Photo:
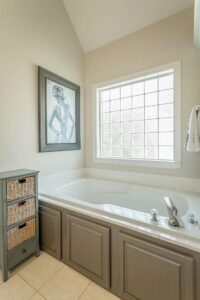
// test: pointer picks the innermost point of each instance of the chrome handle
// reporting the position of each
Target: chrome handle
(191, 217)
(154, 215)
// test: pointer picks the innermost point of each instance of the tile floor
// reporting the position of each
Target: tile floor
(47, 278)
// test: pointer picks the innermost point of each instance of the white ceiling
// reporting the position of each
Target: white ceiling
(99, 22)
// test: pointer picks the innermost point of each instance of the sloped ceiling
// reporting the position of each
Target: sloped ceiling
(99, 22)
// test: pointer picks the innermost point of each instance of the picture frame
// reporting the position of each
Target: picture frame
(59, 113)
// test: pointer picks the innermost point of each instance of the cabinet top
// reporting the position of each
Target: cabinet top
(17, 173)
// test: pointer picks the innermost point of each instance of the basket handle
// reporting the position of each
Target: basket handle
(22, 226)
(23, 180)
(22, 203)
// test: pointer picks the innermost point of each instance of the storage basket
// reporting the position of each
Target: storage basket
(19, 188)
(20, 211)
(21, 233)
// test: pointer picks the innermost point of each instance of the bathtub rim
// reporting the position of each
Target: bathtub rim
(190, 196)
(175, 236)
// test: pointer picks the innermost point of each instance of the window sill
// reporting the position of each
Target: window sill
(140, 163)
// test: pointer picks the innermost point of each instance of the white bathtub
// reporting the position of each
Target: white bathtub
(126, 202)
(102, 193)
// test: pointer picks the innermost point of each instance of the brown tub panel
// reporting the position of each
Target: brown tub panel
(50, 230)
(150, 272)
(86, 247)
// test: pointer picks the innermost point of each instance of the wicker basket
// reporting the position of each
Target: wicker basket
(21, 233)
(19, 188)
(20, 211)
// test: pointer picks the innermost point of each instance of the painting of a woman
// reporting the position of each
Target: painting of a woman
(62, 114)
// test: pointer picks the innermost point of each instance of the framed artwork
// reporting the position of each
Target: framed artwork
(59, 113)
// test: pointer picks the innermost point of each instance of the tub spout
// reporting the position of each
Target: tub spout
(174, 219)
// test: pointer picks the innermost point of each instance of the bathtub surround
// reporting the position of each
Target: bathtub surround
(89, 243)
(160, 181)
(34, 33)
(167, 41)
(127, 202)
(97, 218)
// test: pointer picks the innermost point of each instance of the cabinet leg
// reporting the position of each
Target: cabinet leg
(37, 253)
(4, 274)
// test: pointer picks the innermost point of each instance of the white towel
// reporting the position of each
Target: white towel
(193, 136)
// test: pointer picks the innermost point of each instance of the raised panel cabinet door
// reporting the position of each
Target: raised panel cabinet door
(150, 272)
(50, 231)
(87, 248)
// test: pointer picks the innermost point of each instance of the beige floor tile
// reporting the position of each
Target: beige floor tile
(10, 273)
(94, 292)
(24, 263)
(67, 284)
(16, 289)
(1, 278)
(40, 270)
(37, 297)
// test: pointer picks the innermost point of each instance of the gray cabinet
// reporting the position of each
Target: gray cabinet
(150, 272)
(130, 264)
(86, 248)
(19, 231)
(50, 231)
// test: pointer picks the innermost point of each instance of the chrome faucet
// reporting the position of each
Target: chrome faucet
(174, 219)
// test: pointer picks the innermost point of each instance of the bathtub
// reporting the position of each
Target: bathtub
(127, 203)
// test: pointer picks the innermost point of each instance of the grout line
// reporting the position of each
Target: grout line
(11, 273)
(44, 282)
(24, 264)
(50, 278)
(32, 296)
(41, 295)
(84, 290)
(26, 282)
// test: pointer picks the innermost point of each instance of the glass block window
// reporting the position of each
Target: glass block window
(135, 119)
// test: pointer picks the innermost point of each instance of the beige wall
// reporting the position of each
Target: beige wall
(159, 44)
(32, 33)
(39, 32)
